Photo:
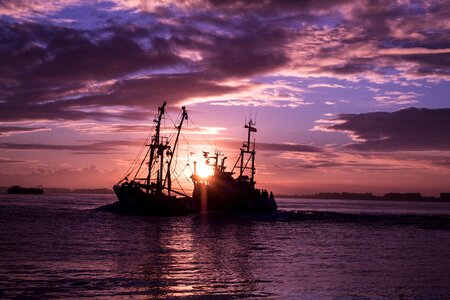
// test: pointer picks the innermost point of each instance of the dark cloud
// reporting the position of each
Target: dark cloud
(287, 147)
(42, 53)
(386, 25)
(406, 129)
(354, 166)
(9, 130)
(353, 161)
(279, 6)
(137, 92)
(274, 147)
(137, 96)
(90, 177)
(54, 71)
(255, 52)
(429, 64)
(97, 147)
(45, 62)
(46, 67)
(11, 161)
(67, 73)
(356, 66)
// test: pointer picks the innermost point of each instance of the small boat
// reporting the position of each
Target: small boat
(153, 194)
(16, 189)
(222, 192)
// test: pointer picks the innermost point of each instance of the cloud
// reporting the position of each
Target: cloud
(143, 52)
(397, 98)
(287, 147)
(412, 129)
(88, 177)
(11, 130)
(276, 5)
(274, 147)
(92, 128)
(66, 73)
(412, 51)
(345, 161)
(48, 68)
(137, 92)
(274, 94)
(326, 85)
(97, 147)
(12, 161)
(330, 160)
(378, 41)
(23, 9)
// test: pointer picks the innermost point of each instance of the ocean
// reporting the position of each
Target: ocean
(62, 246)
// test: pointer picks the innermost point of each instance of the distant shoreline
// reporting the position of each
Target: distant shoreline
(69, 191)
(444, 197)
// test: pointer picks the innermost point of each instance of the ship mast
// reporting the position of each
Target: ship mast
(167, 179)
(248, 148)
(158, 145)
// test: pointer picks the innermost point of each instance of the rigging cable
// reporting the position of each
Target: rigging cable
(134, 163)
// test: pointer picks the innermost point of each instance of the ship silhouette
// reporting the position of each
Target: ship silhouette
(16, 189)
(223, 192)
(154, 194)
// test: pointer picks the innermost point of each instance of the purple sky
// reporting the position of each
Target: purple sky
(347, 95)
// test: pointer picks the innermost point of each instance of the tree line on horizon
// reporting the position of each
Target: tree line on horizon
(370, 196)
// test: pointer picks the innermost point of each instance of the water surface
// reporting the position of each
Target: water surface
(60, 246)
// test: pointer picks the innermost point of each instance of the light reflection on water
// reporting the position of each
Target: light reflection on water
(57, 246)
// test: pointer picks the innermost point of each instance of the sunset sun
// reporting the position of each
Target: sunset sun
(204, 170)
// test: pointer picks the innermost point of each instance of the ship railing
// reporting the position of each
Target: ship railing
(163, 140)
(250, 145)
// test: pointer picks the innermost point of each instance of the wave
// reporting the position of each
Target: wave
(437, 222)
(421, 220)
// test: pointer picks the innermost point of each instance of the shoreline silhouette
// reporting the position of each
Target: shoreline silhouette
(443, 197)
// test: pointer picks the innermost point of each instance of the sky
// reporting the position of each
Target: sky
(347, 95)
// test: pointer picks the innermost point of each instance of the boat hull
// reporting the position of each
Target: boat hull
(232, 197)
(134, 199)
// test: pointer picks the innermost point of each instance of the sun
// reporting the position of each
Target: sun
(204, 171)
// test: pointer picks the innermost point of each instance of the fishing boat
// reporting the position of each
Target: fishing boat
(153, 194)
(223, 192)
(17, 189)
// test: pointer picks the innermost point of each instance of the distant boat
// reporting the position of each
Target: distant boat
(16, 189)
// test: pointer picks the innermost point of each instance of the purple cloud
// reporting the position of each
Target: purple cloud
(12, 161)
(287, 147)
(195, 49)
(90, 177)
(10, 130)
(55, 72)
(97, 147)
(273, 147)
(415, 129)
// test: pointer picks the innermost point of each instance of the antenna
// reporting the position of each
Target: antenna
(188, 156)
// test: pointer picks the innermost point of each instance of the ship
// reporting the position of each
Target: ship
(17, 189)
(152, 192)
(223, 192)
